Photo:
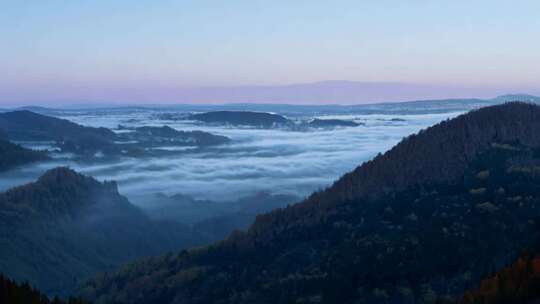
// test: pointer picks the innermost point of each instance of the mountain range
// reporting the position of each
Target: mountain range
(321, 92)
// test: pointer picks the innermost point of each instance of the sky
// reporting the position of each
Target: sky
(58, 52)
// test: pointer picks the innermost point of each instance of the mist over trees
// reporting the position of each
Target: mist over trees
(87, 141)
(66, 227)
(12, 155)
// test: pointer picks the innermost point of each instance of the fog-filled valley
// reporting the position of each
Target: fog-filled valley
(270, 152)
(190, 193)
(87, 190)
(276, 160)
(194, 185)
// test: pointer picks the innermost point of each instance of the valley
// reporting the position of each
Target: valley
(396, 207)
(270, 152)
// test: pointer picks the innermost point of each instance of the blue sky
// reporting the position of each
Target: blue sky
(64, 49)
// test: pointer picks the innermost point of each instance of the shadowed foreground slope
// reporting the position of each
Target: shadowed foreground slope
(13, 293)
(426, 220)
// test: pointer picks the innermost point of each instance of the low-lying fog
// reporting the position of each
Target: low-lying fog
(277, 161)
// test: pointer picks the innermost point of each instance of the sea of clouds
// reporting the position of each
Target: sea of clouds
(275, 160)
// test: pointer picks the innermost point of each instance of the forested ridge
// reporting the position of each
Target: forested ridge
(437, 155)
(13, 155)
(425, 221)
(66, 227)
(57, 194)
(87, 141)
(29, 126)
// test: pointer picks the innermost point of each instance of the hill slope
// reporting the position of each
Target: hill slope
(71, 137)
(427, 219)
(29, 126)
(66, 227)
(12, 155)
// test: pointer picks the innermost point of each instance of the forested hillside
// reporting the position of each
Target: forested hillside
(66, 227)
(30, 126)
(12, 155)
(426, 220)
(88, 141)
(518, 283)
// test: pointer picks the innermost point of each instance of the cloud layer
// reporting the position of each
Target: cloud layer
(278, 161)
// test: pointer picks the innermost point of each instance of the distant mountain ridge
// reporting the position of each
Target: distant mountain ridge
(156, 136)
(321, 92)
(29, 126)
(421, 105)
(518, 97)
(326, 123)
(241, 118)
(426, 219)
(86, 141)
(263, 120)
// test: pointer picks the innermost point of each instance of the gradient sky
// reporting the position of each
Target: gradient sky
(77, 51)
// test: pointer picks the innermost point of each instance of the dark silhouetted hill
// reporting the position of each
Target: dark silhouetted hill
(330, 123)
(13, 155)
(67, 227)
(29, 126)
(156, 136)
(242, 118)
(87, 141)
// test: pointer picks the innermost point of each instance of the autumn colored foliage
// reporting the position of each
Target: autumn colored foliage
(518, 283)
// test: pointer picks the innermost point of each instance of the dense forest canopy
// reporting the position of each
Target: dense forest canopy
(66, 227)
